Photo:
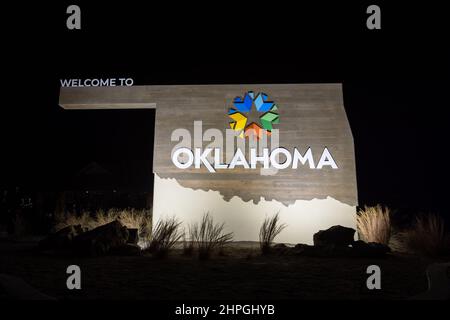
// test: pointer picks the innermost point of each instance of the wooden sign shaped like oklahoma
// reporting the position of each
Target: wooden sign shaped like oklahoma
(315, 190)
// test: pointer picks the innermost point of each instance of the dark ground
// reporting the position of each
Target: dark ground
(241, 274)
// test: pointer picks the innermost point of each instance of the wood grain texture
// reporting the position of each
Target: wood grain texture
(311, 115)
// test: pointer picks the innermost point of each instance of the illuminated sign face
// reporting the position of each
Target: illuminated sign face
(244, 126)
(245, 152)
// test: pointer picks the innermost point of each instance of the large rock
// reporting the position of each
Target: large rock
(334, 236)
(127, 250)
(322, 251)
(369, 250)
(62, 239)
(358, 249)
(133, 237)
(280, 248)
(101, 240)
(305, 250)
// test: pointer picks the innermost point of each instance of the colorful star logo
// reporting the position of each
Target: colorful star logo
(252, 114)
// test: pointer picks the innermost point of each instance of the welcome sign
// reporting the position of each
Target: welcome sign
(245, 152)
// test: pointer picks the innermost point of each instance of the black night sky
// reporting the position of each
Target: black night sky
(395, 81)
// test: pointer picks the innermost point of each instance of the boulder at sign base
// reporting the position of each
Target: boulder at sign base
(62, 239)
(101, 240)
(335, 236)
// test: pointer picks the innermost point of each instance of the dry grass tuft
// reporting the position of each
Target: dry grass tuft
(165, 235)
(270, 228)
(188, 241)
(374, 224)
(101, 217)
(72, 219)
(427, 237)
(209, 236)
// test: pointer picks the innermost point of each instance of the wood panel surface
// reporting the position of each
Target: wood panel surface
(311, 115)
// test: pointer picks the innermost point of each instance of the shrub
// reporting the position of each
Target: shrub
(101, 217)
(427, 237)
(164, 236)
(209, 236)
(398, 242)
(72, 219)
(131, 218)
(374, 224)
(270, 228)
